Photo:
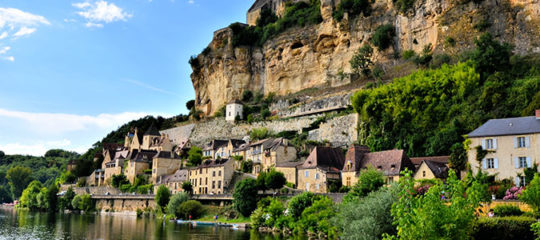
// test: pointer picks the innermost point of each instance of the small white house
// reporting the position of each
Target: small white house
(234, 108)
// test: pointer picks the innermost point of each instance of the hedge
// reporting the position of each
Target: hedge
(504, 228)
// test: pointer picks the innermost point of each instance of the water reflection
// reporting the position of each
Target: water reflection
(27, 225)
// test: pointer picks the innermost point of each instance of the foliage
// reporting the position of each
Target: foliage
(536, 228)
(383, 37)
(245, 196)
(513, 193)
(458, 157)
(67, 177)
(316, 218)
(530, 172)
(187, 187)
(353, 7)
(65, 201)
(29, 196)
(275, 179)
(361, 61)
(299, 203)
(369, 180)
(267, 16)
(190, 208)
(190, 104)
(425, 58)
(83, 202)
(367, 218)
(445, 211)
(258, 134)
(403, 5)
(503, 228)
(247, 96)
(119, 180)
(19, 177)
(408, 54)
(195, 156)
(162, 196)
(246, 166)
(505, 210)
(531, 195)
(5, 195)
(261, 181)
(173, 207)
(490, 55)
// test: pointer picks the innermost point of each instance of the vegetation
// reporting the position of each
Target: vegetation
(119, 180)
(246, 166)
(536, 229)
(361, 61)
(383, 37)
(187, 187)
(503, 228)
(162, 197)
(83, 202)
(369, 180)
(531, 195)
(506, 210)
(173, 207)
(65, 202)
(353, 8)
(403, 5)
(259, 134)
(19, 177)
(195, 156)
(190, 208)
(245, 196)
(274, 180)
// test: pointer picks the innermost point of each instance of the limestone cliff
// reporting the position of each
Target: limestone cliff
(318, 56)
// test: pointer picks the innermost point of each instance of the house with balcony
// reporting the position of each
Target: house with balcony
(266, 153)
(511, 145)
(320, 169)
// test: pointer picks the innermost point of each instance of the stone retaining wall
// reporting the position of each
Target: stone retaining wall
(339, 131)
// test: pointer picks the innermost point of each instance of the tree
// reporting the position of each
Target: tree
(247, 166)
(361, 61)
(187, 187)
(2, 154)
(369, 180)
(261, 181)
(29, 197)
(298, 203)
(19, 177)
(119, 180)
(316, 218)
(490, 55)
(245, 196)
(275, 180)
(52, 198)
(162, 197)
(195, 156)
(458, 157)
(247, 96)
(190, 208)
(258, 133)
(175, 202)
(383, 36)
(531, 195)
(65, 201)
(190, 104)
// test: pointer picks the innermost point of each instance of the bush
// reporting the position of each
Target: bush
(245, 196)
(299, 203)
(175, 202)
(81, 182)
(119, 180)
(275, 179)
(316, 218)
(536, 229)
(258, 134)
(190, 208)
(247, 166)
(369, 180)
(531, 195)
(506, 210)
(195, 156)
(162, 196)
(503, 228)
(353, 7)
(490, 55)
(408, 54)
(383, 36)
(361, 61)
(83, 202)
(403, 5)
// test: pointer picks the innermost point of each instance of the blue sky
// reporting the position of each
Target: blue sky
(72, 71)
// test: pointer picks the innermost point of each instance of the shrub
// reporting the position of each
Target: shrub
(316, 218)
(245, 196)
(247, 166)
(449, 41)
(175, 202)
(361, 61)
(187, 187)
(162, 196)
(83, 202)
(81, 182)
(190, 208)
(505, 210)
(513, 193)
(369, 180)
(531, 195)
(299, 203)
(275, 179)
(353, 7)
(383, 36)
(536, 229)
(145, 189)
(490, 55)
(408, 54)
(257, 218)
(119, 180)
(258, 133)
(503, 228)
(403, 5)
(195, 156)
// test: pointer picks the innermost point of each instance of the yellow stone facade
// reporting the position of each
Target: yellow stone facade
(213, 178)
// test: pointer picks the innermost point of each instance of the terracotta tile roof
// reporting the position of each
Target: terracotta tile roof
(439, 159)
(390, 162)
(354, 157)
(325, 158)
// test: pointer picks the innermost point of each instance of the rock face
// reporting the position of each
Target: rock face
(318, 56)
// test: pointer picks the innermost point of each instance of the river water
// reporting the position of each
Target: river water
(22, 225)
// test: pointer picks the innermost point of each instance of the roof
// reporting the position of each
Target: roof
(143, 155)
(390, 162)
(181, 175)
(326, 158)
(354, 157)
(258, 4)
(269, 143)
(237, 142)
(165, 154)
(507, 126)
(439, 159)
(288, 164)
(440, 170)
(152, 131)
(212, 163)
(215, 144)
(179, 135)
(236, 101)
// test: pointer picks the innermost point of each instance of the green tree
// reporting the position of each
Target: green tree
(2, 154)
(299, 203)
(19, 177)
(275, 180)
(52, 198)
(247, 166)
(190, 104)
(190, 208)
(65, 201)
(187, 187)
(195, 156)
(259, 133)
(361, 61)
(29, 196)
(317, 218)
(175, 202)
(458, 157)
(5, 195)
(119, 180)
(531, 195)
(383, 36)
(261, 181)
(490, 55)
(369, 180)
(245, 196)
(162, 196)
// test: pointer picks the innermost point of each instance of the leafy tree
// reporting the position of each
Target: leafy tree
(5, 195)
(83, 202)
(299, 203)
(261, 181)
(162, 196)
(19, 177)
(316, 218)
(353, 7)
(29, 195)
(247, 96)
(245, 196)
(531, 195)
(247, 166)
(119, 180)
(175, 202)
(458, 157)
(187, 187)
(275, 179)
(490, 55)
(190, 208)
(52, 198)
(448, 217)
(383, 36)
(266, 17)
(369, 180)
(259, 133)
(2, 154)
(65, 201)
(66, 177)
(367, 218)
(190, 104)
(195, 156)
(361, 61)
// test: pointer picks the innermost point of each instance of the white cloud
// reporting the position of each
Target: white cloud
(191, 1)
(100, 12)
(3, 35)
(10, 58)
(40, 148)
(4, 50)
(24, 31)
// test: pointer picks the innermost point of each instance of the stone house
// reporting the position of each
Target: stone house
(429, 169)
(115, 166)
(212, 176)
(276, 6)
(320, 169)
(233, 110)
(512, 144)
(173, 181)
(97, 178)
(210, 149)
(164, 163)
(137, 162)
(390, 162)
(267, 152)
(289, 170)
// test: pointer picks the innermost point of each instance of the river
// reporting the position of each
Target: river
(22, 225)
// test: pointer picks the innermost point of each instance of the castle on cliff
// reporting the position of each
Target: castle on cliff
(276, 6)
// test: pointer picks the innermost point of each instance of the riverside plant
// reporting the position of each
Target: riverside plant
(513, 193)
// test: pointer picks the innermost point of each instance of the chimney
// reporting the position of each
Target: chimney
(537, 114)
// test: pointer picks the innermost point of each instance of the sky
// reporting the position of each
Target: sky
(71, 71)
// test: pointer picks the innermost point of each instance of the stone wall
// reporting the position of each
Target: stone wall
(331, 103)
(339, 131)
(90, 190)
(125, 205)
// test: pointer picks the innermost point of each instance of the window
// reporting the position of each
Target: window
(306, 173)
(219, 173)
(522, 162)
(423, 173)
(317, 186)
(213, 184)
(307, 186)
(521, 143)
(316, 175)
(489, 144)
(348, 181)
(229, 114)
(490, 163)
(213, 173)
(390, 180)
(219, 184)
